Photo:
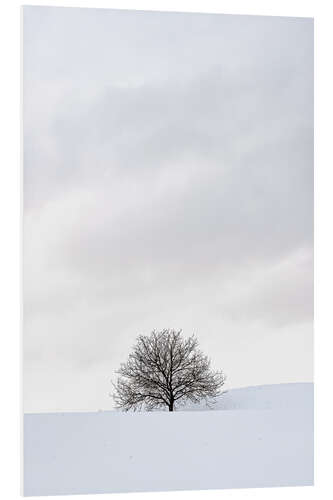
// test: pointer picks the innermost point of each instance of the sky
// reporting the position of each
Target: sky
(168, 183)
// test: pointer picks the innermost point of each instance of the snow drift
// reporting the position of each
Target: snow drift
(262, 436)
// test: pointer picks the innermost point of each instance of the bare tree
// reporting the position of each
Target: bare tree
(165, 369)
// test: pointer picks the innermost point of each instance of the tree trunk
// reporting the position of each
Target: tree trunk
(171, 406)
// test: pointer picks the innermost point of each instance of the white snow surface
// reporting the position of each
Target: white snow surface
(262, 397)
(255, 437)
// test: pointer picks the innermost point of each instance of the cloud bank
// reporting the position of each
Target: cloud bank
(168, 182)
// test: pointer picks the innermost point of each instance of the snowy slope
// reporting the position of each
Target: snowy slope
(262, 397)
(266, 441)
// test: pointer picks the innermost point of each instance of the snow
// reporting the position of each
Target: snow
(262, 436)
(262, 397)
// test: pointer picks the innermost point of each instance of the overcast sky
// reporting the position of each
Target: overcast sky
(168, 182)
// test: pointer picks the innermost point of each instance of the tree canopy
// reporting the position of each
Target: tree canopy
(166, 369)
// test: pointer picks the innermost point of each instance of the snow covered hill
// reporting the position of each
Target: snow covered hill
(264, 438)
(262, 397)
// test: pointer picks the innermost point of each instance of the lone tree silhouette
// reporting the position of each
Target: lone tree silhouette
(164, 369)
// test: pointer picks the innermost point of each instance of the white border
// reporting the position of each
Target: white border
(10, 190)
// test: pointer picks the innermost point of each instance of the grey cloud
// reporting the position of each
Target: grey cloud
(168, 176)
